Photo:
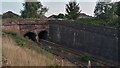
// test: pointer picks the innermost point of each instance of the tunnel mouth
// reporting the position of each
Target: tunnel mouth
(31, 35)
(43, 35)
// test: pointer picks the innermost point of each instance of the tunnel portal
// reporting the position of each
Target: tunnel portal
(43, 35)
(31, 36)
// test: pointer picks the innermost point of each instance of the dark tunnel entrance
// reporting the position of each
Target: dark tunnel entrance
(43, 35)
(31, 36)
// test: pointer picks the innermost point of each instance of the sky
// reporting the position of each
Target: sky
(54, 6)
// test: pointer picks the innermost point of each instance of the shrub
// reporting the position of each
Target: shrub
(97, 22)
(84, 58)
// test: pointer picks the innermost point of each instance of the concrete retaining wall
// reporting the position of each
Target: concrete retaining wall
(100, 42)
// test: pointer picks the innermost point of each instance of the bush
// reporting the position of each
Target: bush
(97, 22)
(84, 58)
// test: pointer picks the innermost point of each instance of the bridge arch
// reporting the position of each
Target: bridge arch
(31, 35)
(43, 35)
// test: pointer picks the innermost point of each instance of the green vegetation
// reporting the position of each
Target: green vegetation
(118, 13)
(97, 22)
(105, 14)
(102, 7)
(19, 40)
(23, 42)
(73, 10)
(84, 58)
(33, 9)
(105, 11)
(0, 16)
(118, 8)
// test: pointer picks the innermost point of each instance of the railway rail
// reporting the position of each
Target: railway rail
(70, 54)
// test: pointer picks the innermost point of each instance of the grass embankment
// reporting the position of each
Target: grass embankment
(23, 52)
(20, 51)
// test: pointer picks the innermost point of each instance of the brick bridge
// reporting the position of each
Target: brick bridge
(35, 29)
(100, 42)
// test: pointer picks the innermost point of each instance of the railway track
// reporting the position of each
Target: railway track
(69, 54)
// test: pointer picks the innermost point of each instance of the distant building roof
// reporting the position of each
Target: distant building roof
(10, 14)
(83, 15)
(53, 16)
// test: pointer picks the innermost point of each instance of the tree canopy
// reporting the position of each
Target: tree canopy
(33, 9)
(73, 10)
(118, 13)
(118, 9)
(10, 14)
(106, 10)
(101, 8)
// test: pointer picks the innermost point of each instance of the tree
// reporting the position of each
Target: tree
(105, 10)
(73, 10)
(118, 9)
(118, 13)
(101, 8)
(33, 9)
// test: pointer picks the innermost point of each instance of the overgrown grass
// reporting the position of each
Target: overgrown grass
(19, 40)
(24, 42)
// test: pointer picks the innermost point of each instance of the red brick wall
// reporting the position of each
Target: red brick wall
(14, 24)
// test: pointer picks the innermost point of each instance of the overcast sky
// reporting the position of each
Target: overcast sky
(54, 6)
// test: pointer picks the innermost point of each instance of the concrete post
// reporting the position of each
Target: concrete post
(62, 62)
(37, 38)
(89, 64)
